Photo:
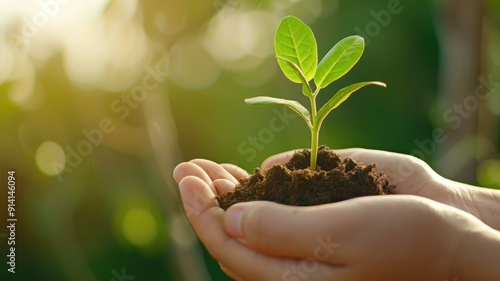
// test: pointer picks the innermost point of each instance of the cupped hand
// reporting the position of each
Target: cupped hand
(199, 182)
(413, 176)
(399, 237)
(402, 237)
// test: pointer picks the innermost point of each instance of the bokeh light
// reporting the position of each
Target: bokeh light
(7, 57)
(489, 173)
(139, 227)
(191, 65)
(50, 158)
(237, 36)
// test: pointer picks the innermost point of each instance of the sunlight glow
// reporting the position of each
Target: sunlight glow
(192, 67)
(240, 40)
(50, 158)
(489, 173)
(7, 59)
(139, 227)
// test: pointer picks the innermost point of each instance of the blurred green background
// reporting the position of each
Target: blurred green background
(100, 99)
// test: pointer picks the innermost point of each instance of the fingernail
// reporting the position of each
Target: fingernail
(233, 220)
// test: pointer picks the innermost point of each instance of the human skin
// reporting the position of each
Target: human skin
(413, 176)
(432, 230)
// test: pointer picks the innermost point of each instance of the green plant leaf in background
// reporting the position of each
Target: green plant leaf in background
(339, 60)
(294, 105)
(340, 97)
(295, 42)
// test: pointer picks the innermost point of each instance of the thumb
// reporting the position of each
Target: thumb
(275, 229)
(278, 158)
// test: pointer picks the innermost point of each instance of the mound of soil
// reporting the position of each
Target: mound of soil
(293, 183)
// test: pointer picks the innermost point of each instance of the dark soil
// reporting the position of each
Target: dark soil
(293, 183)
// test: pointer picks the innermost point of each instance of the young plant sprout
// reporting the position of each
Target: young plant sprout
(296, 51)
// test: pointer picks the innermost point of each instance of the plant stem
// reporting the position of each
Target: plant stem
(314, 148)
(314, 132)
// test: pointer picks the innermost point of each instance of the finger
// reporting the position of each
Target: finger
(298, 232)
(230, 273)
(299, 269)
(368, 156)
(206, 218)
(223, 185)
(406, 172)
(197, 198)
(385, 161)
(236, 171)
(278, 158)
(190, 169)
(214, 170)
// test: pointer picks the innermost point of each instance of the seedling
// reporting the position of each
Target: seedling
(296, 51)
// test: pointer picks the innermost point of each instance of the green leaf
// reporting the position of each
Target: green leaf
(295, 42)
(294, 105)
(339, 60)
(340, 97)
(306, 88)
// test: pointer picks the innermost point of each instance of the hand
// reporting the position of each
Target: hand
(275, 242)
(413, 176)
(199, 181)
(371, 238)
